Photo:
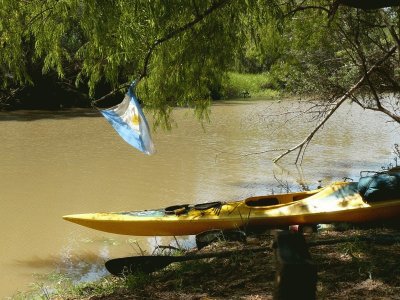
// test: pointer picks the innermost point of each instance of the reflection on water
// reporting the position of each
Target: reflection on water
(53, 164)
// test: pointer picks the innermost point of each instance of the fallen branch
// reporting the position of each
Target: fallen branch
(303, 145)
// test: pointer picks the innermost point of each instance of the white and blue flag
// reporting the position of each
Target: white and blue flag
(128, 120)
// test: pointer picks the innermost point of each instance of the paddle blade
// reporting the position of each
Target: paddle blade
(143, 264)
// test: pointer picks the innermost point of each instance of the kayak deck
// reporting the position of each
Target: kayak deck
(339, 202)
(186, 219)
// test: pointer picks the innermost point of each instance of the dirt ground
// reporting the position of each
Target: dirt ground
(356, 269)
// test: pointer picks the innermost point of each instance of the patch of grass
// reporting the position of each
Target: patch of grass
(137, 282)
(258, 85)
(354, 249)
(202, 266)
(59, 286)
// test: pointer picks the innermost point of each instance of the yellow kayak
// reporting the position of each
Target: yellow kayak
(373, 198)
(186, 219)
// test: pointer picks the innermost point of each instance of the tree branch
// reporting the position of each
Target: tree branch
(41, 13)
(177, 31)
(157, 42)
(302, 8)
(391, 27)
(382, 109)
(113, 92)
(301, 147)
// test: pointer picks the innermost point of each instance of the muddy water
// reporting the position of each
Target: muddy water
(52, 164)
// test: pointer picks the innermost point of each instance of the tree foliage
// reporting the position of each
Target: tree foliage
(181, 51)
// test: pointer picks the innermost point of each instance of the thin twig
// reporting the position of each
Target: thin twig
(302, 8)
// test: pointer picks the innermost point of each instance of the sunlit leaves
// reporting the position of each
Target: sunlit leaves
(100, 45)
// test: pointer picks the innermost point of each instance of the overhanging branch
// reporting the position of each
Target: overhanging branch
(301, 147)
(177, 31)
(303, 8)
(382, 109)
(199, 17)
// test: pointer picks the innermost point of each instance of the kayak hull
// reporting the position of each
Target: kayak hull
(146, 227)
(336, 203)
(229, 215)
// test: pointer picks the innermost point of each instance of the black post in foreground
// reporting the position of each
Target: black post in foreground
(296, 274)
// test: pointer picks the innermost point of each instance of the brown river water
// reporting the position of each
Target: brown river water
(58, 163)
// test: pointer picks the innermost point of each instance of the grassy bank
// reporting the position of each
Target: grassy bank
(257, 85)
(350, 270)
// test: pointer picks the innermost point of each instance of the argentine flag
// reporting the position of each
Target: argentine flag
(128, 120)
